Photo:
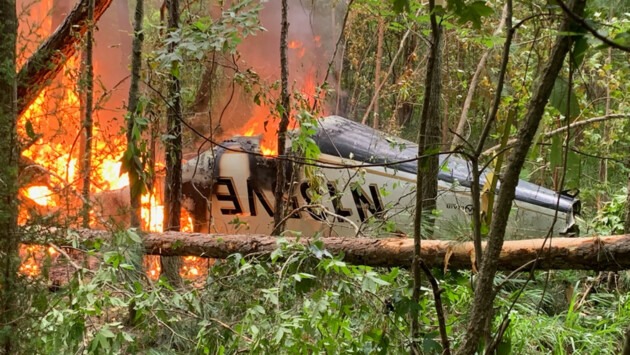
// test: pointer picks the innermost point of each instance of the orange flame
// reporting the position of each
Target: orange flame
(39, 194)
(55, 119)
(33, 256)
(264, 124)
(298, 46)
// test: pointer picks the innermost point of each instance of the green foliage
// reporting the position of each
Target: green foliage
(584, 318)
(563, 100)
(137, 156)
(472, 12)
(206, 35)
(302, 299)
(610, 219)
(401, 5)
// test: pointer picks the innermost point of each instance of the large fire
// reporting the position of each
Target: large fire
(54, 125)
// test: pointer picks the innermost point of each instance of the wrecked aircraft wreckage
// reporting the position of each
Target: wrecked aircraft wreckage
(228, 190)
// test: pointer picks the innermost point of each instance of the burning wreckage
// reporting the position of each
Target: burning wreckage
(228, 190)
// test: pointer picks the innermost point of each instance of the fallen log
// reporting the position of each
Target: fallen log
(49, 58)
(611, 253)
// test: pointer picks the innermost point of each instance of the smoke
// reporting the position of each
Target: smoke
(314, 29)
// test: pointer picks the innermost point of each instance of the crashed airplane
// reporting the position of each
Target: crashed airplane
(228, 189)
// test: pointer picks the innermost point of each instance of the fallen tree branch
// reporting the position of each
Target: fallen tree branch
(610, 253)
(51, 55)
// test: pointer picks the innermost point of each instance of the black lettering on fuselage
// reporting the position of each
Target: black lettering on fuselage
(336, 201)
(253, 191)
(231, 196)
(365, 204)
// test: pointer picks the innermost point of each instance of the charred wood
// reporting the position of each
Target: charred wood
(49, 58)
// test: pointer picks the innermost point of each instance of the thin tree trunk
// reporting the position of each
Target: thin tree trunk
(389, 71)
(603, 163)
(426, 184)
(626, 229)
(281, 178)
(405, 112)
(459, 131)
(377, 70)
(484, 291)
(88, 122)
(173, 188)
(9, 156)
(135, 173)
(204, 91)
(626, 345)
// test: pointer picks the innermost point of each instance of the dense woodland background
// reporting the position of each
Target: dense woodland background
(101, 101)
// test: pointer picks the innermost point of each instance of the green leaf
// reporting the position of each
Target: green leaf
(127, 337)
(623, 38)
(485, 228)
(127, 266)
(134, 236)
(561, 100)
(107, 333)
(430, 346)
(30, 132)
(175, 70)
(579, 50)
(472, 13)
(279, 335)
(401, 5)
(276, 254)
(113, 258)
(574, 167)
(555, 154)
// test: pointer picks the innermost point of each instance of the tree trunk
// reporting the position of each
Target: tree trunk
(390, 70)
(9, 156)
(484, 291)
(377, 70)
(88, 122)
(135, 173)
(173, 188)
(405, 112)
(609, 253)
(281, 178)
(51, 55)
(204, 91)
(426, 184)
(461, 125)
(626, 230)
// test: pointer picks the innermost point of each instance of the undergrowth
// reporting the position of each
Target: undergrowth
(303, 300)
